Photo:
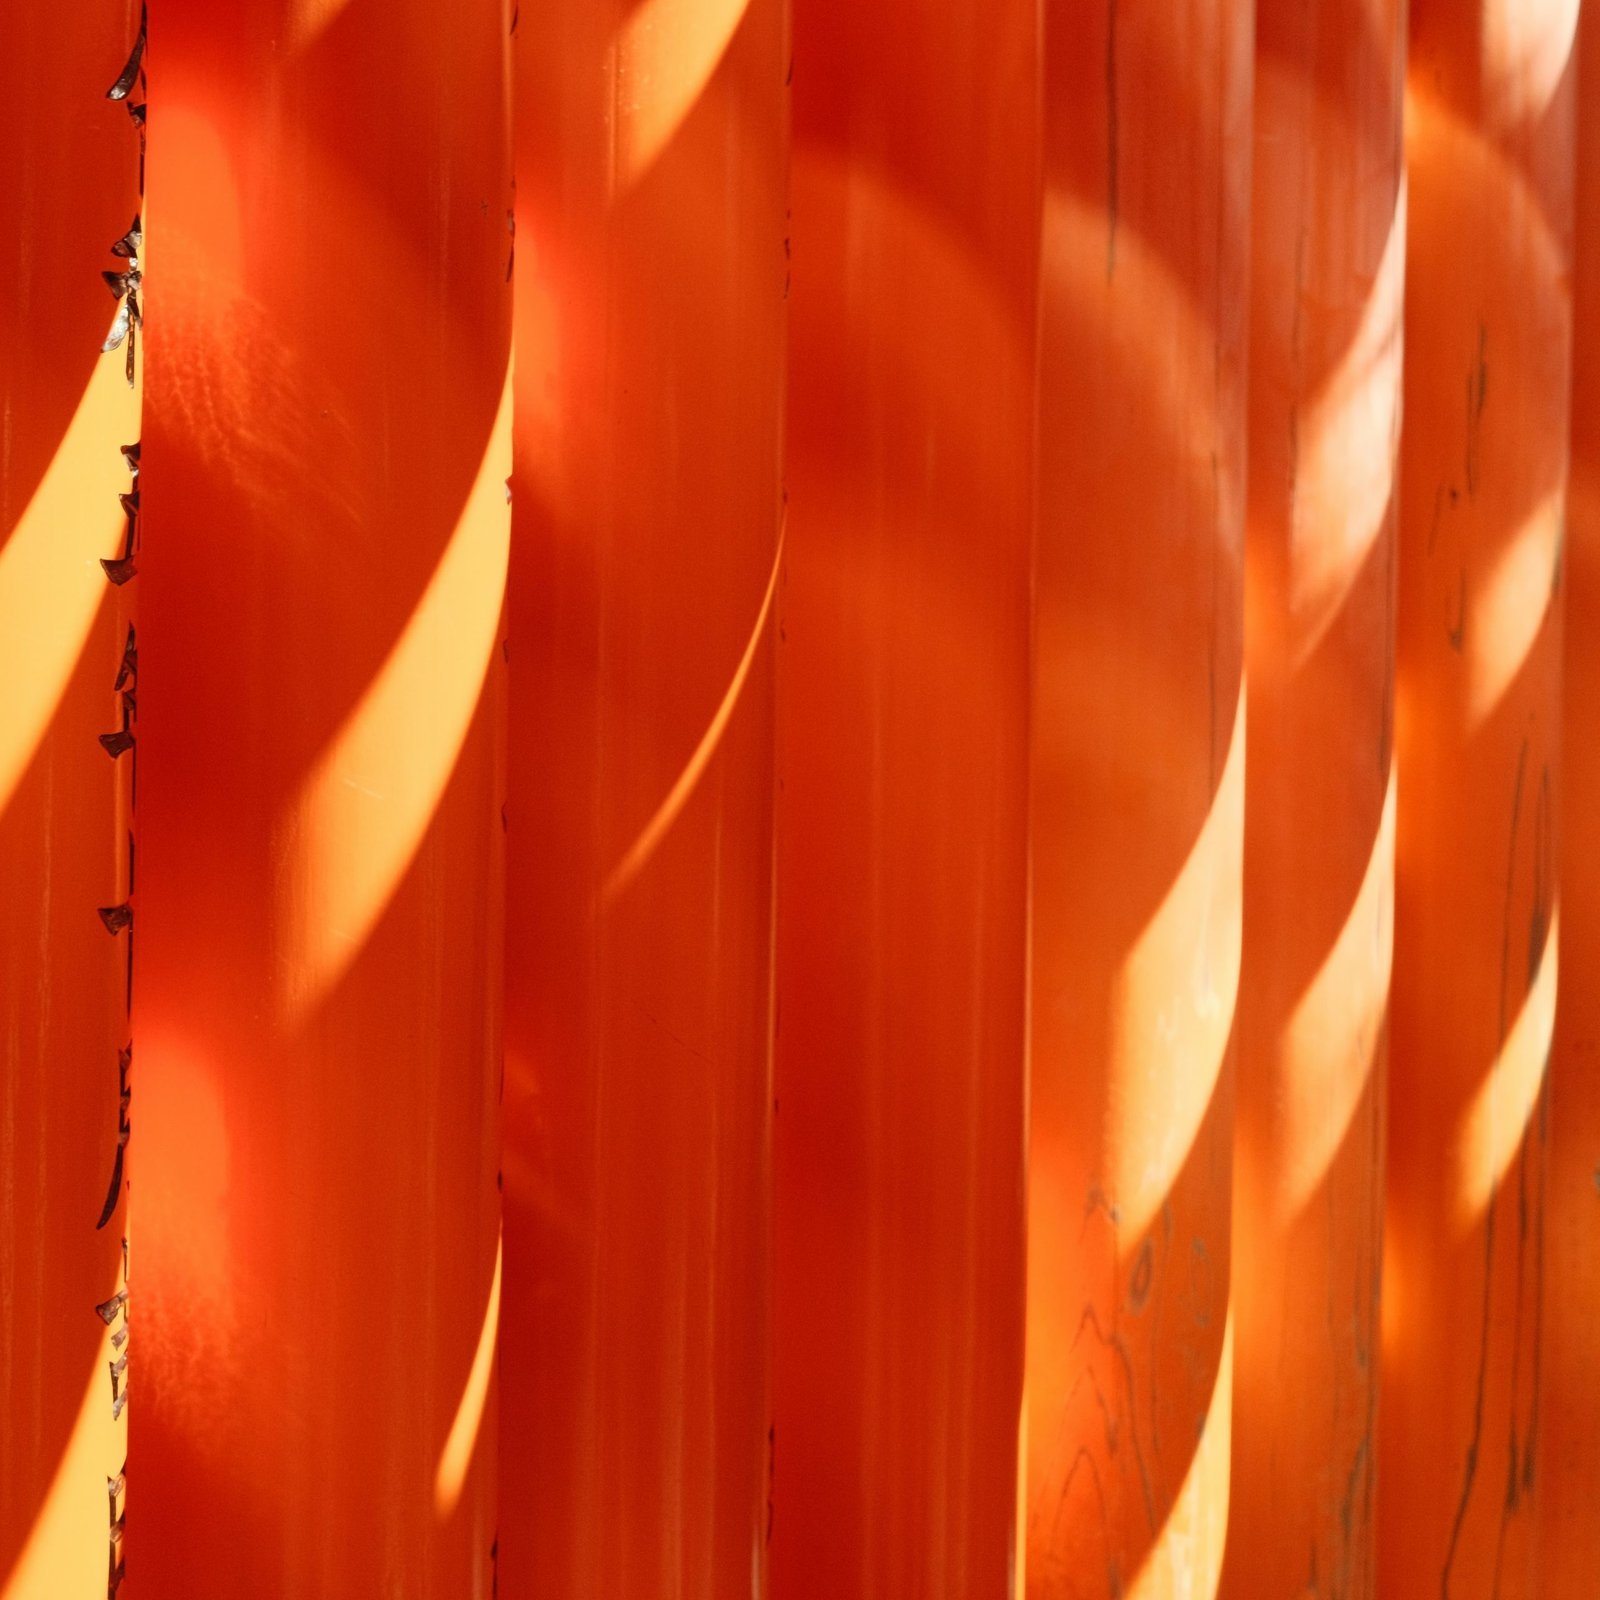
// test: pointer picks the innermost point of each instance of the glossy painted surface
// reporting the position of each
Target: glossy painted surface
(320, 812)
(1138, 795)
(903, 719)
(1327, 283)
(1568, 1464)
(69, 188)
(1487, 332)
(651, 166)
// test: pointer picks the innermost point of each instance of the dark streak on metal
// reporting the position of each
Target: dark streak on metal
(1143, 1271)
(1477, 396)
(1083, 1458)
(1494, 1194)
(1115, 1344)
(1438, 511)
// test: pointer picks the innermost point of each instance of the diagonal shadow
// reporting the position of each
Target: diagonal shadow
(650, 275)
(68, 190)
(326, 365)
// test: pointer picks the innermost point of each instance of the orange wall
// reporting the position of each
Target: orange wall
(1487, 338)
(1327, 287)
(902, 799)
(1138, 795)
(1568, 1465)
(69, 188)
(650, 271)
(321, 836)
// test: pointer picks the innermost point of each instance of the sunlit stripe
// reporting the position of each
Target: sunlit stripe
(1185, 1561)
(1173, 1008)
(51, 581)
(1526, 48)
(455, 1460)
(1492, 1129)
(1504, 614)
(667, 813)
(1348, 434)
(308, 20)
(1331, 1040)
(667, 52)
(67, 1547)
(360, 817)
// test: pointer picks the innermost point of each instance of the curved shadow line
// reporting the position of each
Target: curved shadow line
(638, 854)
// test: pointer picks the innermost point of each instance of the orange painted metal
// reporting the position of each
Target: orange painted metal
(1138, 795)
(1327, 286)
(1568, 1464)
(69, 448)
(320, 813)
(1489, 114)
(651, 167)
(902, 855)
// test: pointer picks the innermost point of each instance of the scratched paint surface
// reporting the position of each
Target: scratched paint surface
(1488, 319)
(1327, 276)
(1138, 796)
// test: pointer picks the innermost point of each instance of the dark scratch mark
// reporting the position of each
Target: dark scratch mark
(1083, 1459)
(1494, 1193)
(1096, 1201)
(1477, 395)
(1438, 512)
(682, 1043)
(1155, 1332)
(1202, 1283)
(1471, 1471)
(1456, 631)
(1119, 1349)
(1143, 1272)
